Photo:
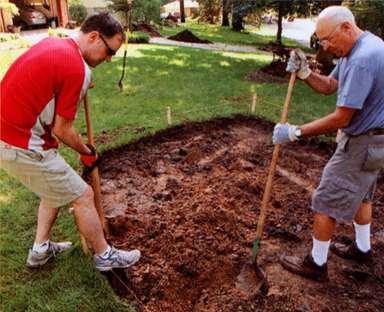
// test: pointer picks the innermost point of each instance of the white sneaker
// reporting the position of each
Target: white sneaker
(38, 259)
(117, 258)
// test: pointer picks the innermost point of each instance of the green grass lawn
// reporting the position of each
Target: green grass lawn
(197, 85)
(217, 33)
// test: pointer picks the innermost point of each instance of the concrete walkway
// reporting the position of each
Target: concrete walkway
(206, 46)
(34, 36)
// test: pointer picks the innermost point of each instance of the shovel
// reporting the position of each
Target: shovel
(252, 278)
(95, 178)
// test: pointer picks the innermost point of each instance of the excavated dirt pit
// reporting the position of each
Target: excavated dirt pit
(189, 197)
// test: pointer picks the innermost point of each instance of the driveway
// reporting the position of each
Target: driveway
(35, 35)
(300, 29)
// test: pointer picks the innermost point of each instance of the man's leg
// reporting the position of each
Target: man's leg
(364, 214)
(323, 228)
(360, 250)
(106, 257)
(45, 219)
(88, 221)
(314, 265)
(43, 249)
(362, 223)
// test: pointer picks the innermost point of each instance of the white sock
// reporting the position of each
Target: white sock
(320, 251)
(105, 253)
(40, 248)
(363, 233)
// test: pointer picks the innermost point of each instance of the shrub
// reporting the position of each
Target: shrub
(77, 12)
(8, 37)
(56, 33)
(369, 15)
(138, 37)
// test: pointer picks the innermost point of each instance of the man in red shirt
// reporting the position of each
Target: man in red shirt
(39, 98)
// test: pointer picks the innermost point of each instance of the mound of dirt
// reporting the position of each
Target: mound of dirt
(188, 36)
(188, 197)
(272, 73)
(149, 29)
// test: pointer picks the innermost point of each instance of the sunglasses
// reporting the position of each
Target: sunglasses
(110, 51)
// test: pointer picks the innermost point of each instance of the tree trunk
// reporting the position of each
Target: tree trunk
(237, 18)
(182, 12)
(226, 10)
(3, 21)
(279, 24)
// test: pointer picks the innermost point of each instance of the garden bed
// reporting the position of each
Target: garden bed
(188, 197)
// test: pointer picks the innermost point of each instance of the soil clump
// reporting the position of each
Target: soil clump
(187, 36)
(147, 28)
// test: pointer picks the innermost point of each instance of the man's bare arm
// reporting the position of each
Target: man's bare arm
(63, 129)
(340, 118)
(323, 84)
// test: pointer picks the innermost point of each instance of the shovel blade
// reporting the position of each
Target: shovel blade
(252, 280)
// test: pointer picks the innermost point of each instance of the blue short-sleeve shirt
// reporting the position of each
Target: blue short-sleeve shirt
(360, 77)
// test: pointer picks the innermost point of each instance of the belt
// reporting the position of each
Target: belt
(375, 131)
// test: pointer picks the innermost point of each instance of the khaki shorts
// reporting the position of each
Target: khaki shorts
(44, 173)
(350, 176)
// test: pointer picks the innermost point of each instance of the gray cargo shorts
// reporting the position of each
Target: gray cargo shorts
(350, 176)
(45, 173)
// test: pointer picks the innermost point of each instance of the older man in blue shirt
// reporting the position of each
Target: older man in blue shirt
(349, 179)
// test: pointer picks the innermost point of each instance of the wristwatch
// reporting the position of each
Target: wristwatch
(298, 133)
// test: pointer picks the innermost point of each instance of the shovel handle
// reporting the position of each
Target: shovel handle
(275, 157)
(95, 178)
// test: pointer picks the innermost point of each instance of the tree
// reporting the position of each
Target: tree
(77, 11)
(285, 8)
(369, 15)
(318, 5)
(10, 7)
(241, 8)
(210, 10)
(146, 11)
(123, 9)
(226, 11)
(182, 12)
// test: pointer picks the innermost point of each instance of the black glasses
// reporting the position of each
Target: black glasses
(110, 51)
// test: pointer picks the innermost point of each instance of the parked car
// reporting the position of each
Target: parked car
(29, 18)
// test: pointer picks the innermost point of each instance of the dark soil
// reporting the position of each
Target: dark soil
(187, 36)
(272, 73)
(149, 29)
(189, 197)
(275, 72)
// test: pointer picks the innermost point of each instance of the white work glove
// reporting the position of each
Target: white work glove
(298, 63)
(283, 133)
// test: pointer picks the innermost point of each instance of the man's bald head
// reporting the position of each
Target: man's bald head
(336, 30)
(336, 15)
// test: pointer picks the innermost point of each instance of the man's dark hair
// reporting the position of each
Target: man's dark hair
(104, 23)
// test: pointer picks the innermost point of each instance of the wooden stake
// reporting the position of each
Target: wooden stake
(169, 116)
(253, 106)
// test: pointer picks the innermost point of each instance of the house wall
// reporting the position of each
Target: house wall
(174, 7)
